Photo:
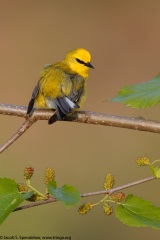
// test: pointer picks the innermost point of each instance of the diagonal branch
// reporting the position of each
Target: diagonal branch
(88, 117)
(111, 191)
(27, 124)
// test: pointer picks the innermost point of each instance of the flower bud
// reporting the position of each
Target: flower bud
(109, 181)
(107, 209)
(118, 197)
(142, 161)
(22, 187)
(85, 208)
(28, 172)
(49, 175)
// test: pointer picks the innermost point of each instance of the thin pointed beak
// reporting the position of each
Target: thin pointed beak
(88, 64)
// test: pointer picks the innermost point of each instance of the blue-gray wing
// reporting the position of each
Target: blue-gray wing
(34, 95)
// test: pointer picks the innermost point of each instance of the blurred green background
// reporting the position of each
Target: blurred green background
(124, 40)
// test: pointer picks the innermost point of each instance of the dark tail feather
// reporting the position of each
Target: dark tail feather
(63, 107)
(30, 106)
(53, 119)
(59, 115)
(34, 95)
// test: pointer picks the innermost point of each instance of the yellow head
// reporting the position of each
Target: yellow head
(78, 60)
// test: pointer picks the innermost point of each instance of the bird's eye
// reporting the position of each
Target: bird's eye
(80, 61)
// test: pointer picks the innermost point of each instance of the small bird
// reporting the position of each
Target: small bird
(62, 86)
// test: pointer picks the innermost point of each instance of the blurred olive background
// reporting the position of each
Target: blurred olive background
(124, 40)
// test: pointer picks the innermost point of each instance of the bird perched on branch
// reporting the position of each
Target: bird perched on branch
(62, 86)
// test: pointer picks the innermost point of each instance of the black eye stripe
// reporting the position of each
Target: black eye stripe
(80, 61)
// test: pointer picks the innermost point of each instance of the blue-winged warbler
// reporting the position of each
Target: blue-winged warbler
(62, 86)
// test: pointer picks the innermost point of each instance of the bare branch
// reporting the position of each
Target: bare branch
(51, 199)
(36, 204)
(20, 131)
(118, 188)
(89, 117)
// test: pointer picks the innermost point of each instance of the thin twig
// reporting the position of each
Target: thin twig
(20, 131)
(118, 188)
(35, 204)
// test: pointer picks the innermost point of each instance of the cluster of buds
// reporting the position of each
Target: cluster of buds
(142, 161)
(85, 208)
(28, 172)
(118, 197)
(49, 175)
(109, 181)
(107, 209)
(22, 187)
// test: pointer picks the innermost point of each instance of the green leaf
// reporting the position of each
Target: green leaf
(137, 212)
(155, 171)
(66, 194)
(10, 197)
(152, 168)
(142, 95)
(27, 195)
(53, 183)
